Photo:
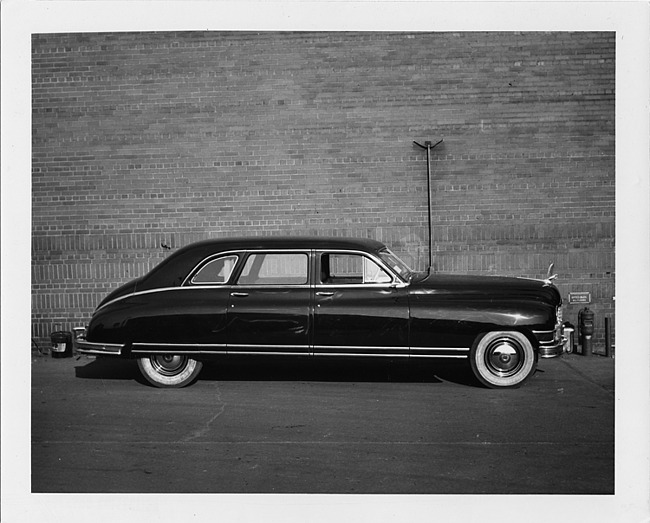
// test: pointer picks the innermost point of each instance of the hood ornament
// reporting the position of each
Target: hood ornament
(549, 275)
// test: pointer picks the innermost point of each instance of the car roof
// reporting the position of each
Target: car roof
(289, 242)
(171, 271)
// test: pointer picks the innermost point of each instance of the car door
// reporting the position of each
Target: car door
(360, 307)
(188, 318)
(269, 304)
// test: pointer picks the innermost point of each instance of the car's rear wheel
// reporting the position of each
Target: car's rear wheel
(503, 359)
(169, 370)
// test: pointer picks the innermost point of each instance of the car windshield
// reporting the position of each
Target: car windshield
(396, 264)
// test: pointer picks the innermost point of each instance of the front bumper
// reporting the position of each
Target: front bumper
(551, 351)
(551, 343)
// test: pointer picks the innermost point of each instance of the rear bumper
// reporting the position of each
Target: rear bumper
(99, 349)
(83, 346)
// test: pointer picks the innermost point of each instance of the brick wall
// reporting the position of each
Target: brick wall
(149, 139)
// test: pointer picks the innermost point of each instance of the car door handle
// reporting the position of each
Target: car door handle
(324, 293)
(239, 294)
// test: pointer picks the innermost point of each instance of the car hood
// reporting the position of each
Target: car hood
(485, 287)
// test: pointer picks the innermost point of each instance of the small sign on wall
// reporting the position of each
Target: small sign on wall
(580, 297)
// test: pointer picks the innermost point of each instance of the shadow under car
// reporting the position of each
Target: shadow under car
(259, 368)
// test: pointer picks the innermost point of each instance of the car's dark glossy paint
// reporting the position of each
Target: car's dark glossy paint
(321, 297)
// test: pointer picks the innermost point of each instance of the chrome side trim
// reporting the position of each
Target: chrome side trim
(173, 348)
(388, 286)
(269, 346)
(390, 352)
(188, 352)
(206, 286)
(161, 289)
(465, 349)
(390, 355)
(442, 356)
(85, 347)
(218, 348)
(362, 354)
(371, 347)
(200, 287)
(265, 286)
(358, 347)
(267, 353)
(152, 344)
(439, 352)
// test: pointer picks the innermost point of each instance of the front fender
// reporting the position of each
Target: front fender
(457, 323)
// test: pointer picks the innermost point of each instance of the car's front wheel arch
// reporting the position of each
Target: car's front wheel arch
(503, 359)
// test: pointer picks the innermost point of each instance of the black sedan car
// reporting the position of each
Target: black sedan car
(321, 297)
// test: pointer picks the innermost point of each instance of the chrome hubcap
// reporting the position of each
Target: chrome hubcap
(168, 364)
(504, 357)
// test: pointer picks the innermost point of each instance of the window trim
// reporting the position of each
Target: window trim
(247, 254)
(208, 262)
(313, 269)
(187, 282)
(396, 281)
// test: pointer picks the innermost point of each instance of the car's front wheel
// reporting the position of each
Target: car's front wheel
(169, 370)
(503, 359)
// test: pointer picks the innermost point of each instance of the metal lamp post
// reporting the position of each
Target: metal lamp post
(428, 146)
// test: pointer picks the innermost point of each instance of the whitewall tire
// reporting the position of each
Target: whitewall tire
(503, 359)
(169, 370)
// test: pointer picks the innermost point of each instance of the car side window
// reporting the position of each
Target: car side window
(275, 269)
(215, 271)
(351, 269)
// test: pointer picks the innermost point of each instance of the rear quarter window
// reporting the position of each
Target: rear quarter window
(215, 271)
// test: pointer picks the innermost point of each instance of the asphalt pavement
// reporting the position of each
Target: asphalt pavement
(336, 427)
